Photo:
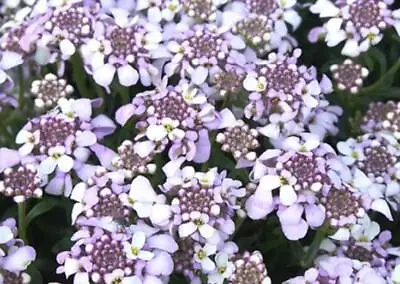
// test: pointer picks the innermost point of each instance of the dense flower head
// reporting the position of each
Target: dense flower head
(366, 245)
(380, 116)
(249, 268)
(263, 25)
(178, 117)
(229, 80)
(283, 94)
(123, 46)
(203, 204)
(68, 27)
(19, 39)
(102, 257)
(15, 257)
(99, 199)
(373, 160)
(63, 139)
(304, 171)
(21, 182)
(49, 90)
(240, 140)
(132, 161)
(200, 52)
(349, 75)
(360, 24)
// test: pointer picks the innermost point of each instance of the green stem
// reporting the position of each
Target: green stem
(312, 251)
(21, 98)
(22, 221)
(79, 76)
(381, 81)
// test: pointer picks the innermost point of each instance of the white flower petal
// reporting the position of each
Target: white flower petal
(65, 163)
(67, 47)
(142, 190)
(206, 231)
(382, 206)
(186, 229)
(127, 75)
(47, 166)
(138, 239)
(287, 195)
(104, 75)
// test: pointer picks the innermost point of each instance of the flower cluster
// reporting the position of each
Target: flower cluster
(365, 256)
(359, 24)
(222, 121)
(285, 97)
(15, 257)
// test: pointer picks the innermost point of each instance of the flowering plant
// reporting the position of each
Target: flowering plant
(199, 141)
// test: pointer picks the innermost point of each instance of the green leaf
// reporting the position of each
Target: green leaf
(36, 276)
(42, 207)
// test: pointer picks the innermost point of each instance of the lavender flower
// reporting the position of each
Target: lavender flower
(147, 203)
(268, 21)
(63, 139)
(200, 52)
(21, 183)
(100, 256)
(15, 257)
(123, 46)
(99, 199)
(360, 24)
(132, 159)
(283, 94)
(301, 172)
(349, 75)
(249, 268)
(229, 81)
(49, 90)
(373, 160)
(381, 116)
(241, 141)
(204, 204)
(366, 246)
(178, 117)
(68, 27)
(159, 10)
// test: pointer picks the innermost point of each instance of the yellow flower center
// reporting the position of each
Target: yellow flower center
(135, 251)
(201, 254)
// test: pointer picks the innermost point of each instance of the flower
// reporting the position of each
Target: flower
(122, 46)
(147, 204)
(135, 158)
(21, 183)
(202, 256)
(15, 257)
(348, 22)
(92, 257)
(264, 25)
(56, 158)
(98, 201)
(177, 118)
(134, 250)
(224, 269)
(349, 75)
(62, 140)
(199, 53)
(373, 162)
(381, 116)
(49, 90)
(249, 266)
(283, 95)
(68, 27)
(303, 171)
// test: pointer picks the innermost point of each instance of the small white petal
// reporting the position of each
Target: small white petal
(65, 163)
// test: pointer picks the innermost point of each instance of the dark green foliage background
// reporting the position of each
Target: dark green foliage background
(49, 220)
